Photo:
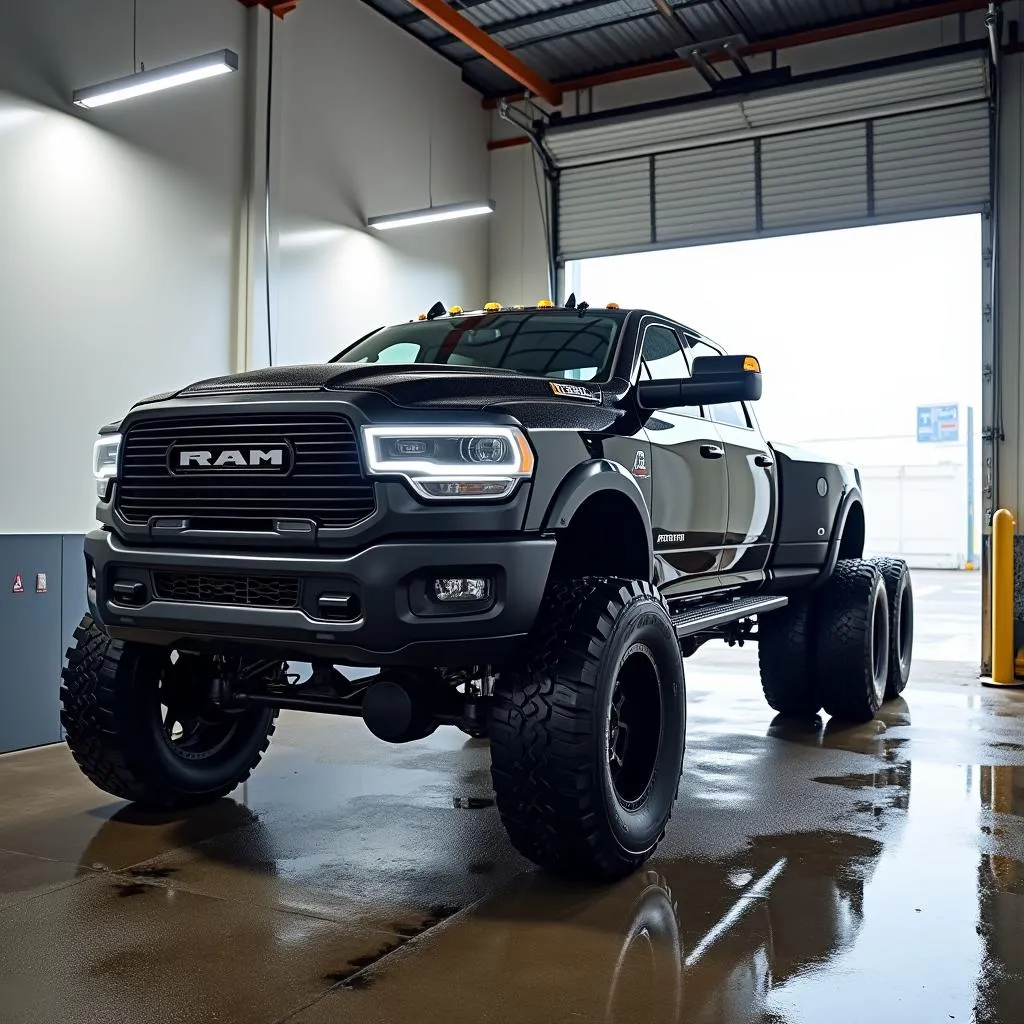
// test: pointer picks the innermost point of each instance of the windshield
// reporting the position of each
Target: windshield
(549, 343)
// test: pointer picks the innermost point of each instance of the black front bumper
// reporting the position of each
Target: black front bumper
(392, 622)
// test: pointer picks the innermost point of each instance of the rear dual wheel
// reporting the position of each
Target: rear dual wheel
(900, 592)
(847, 650)
(852, 643)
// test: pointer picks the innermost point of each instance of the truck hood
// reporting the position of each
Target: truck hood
(423, 386)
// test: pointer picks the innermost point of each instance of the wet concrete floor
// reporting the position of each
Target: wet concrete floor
(811, 873)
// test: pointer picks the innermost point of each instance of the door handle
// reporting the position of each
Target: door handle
(711, 451)
(764, 461)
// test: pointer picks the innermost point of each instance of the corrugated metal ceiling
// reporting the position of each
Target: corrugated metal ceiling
(566, 39)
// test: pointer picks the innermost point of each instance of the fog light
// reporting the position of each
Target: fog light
(466, 488)
(476, 588)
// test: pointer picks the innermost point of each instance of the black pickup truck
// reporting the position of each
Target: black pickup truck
(520, 520)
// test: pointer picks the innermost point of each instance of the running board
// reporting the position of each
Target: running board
(707, 616)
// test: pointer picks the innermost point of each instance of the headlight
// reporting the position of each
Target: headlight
(451, 462)
(104, 463)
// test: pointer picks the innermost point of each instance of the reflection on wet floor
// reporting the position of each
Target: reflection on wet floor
(812, 872)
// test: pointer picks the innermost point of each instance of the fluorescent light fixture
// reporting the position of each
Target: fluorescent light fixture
(195, 69)
(434, 213)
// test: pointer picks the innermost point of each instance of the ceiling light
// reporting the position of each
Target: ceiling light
(433, 213)
(195, 69)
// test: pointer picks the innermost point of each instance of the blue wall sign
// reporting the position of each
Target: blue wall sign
(938, 424)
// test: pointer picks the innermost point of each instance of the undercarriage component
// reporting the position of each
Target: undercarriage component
(397, 707)
(397, 710)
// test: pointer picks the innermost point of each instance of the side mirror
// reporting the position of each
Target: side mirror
(716, 380)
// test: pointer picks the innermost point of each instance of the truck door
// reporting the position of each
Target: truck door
(753, 488)
(688, 476)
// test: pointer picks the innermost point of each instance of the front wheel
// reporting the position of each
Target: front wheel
(587, 737)
(140, 724)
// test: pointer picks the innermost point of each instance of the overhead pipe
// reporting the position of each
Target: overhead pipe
(993, 24)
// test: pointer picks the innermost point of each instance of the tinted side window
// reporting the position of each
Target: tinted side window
(663, 354)
(731, 413)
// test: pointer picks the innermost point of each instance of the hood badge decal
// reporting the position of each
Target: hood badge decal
(573, 391)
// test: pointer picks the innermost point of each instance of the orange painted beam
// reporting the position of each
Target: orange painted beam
(476, 39)
(278, 7)
(515, 140)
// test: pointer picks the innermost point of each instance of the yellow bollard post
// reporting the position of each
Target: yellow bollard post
(1002, 600)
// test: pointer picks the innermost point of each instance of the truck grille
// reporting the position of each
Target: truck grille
(322, 479)
(250, 591)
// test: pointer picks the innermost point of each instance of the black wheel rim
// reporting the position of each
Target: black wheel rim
(906, 626)
(879, 643)
(192, 728)
(635, 721)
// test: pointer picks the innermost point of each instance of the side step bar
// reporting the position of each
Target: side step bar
(706, 616)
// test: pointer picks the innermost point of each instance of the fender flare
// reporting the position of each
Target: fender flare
(592, 478)
(851, 497)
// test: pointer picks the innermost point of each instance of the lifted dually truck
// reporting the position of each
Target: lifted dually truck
(523, 519)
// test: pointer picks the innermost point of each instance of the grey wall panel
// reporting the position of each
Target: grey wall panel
(72, 590)
(30, 624)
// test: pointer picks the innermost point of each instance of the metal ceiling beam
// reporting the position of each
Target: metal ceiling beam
(554, 37)
(855, 26)
(538, 17)
(476, 39)
(416, 16)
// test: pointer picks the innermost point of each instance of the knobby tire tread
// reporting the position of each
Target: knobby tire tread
(546, 785)
(95, 712)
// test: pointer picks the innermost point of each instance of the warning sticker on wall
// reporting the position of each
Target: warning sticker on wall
(40, 582)
(19, 586)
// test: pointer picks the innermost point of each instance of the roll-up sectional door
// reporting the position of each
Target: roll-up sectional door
(907, 141)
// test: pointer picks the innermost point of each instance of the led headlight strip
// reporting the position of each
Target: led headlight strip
(451, 462)
(104, 463)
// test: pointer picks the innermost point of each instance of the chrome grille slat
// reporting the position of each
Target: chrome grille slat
(326, 483)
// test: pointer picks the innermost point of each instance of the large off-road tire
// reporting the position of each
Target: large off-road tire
(587, 736)
(113, 697)
(785, 657)
(896, 576)
(852, 647)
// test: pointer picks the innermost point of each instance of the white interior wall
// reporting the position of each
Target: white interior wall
(121, 230)
(364, 110)
(116, 235)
